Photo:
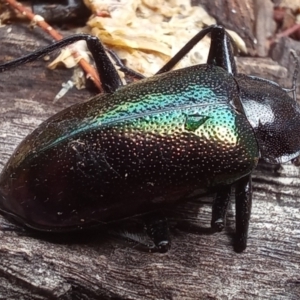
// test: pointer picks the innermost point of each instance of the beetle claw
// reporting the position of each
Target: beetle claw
(218, 225)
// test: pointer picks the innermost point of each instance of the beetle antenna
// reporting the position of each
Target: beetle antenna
(296, 72)
(123, 68)
(11, 227)
(295, 75)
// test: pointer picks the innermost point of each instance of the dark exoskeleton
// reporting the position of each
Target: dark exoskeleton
(141, 148)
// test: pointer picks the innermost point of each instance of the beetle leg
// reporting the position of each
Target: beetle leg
(220, 54)
(109, 77)
(186, 49)
(221, 50)
(219, 208)
(243, 203)
(157, 228)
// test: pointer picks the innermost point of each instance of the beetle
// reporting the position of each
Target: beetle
(142, 148)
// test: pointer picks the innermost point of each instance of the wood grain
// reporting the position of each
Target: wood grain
(198, 266)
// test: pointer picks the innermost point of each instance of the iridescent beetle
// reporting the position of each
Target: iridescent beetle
(141, 148)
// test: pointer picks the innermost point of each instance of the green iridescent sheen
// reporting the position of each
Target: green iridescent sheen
(164, 105)
(147, 98)
(144, 147)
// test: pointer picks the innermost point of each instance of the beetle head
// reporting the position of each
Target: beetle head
(274, 116)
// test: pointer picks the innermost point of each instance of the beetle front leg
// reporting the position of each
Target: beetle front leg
(157, 228)
(219, 208)
(186, 49)
(243, 203)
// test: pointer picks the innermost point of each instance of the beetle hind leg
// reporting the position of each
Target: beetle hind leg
(243, 203)
(157, 228)
(219, 208)
(154, 238)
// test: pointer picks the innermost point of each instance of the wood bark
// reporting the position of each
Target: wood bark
(236, 15)
(198, 266)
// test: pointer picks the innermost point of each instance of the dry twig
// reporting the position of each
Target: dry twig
(91, 72)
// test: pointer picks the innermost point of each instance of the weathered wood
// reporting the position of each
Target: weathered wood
(198, 266)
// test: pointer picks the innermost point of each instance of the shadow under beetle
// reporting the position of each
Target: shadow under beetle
(146, 146)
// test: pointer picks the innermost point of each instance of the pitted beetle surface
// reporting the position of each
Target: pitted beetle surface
(149, 145)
